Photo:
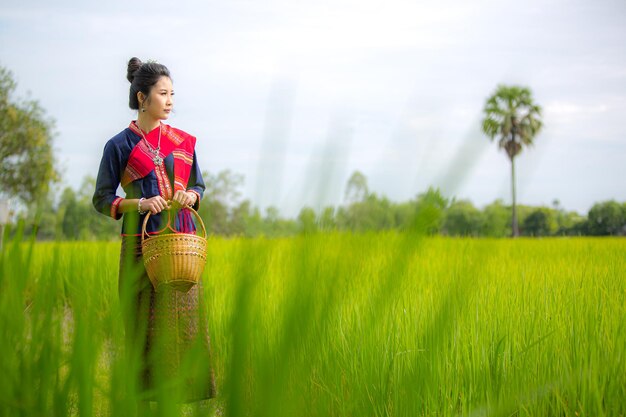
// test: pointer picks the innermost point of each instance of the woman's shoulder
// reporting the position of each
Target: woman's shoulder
(123, 139)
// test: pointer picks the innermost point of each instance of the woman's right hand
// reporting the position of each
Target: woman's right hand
(154, 204)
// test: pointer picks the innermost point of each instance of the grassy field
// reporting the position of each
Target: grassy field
(381, 324)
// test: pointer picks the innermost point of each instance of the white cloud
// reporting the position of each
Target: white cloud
(569, 109)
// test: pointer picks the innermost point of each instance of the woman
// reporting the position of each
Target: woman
(156, 165)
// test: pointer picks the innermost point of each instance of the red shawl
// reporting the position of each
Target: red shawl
(173, 141)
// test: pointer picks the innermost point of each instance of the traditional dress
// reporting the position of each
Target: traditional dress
(167, 330)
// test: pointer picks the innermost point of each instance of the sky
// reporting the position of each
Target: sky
(296, 96)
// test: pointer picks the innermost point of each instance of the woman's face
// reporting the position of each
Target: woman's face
(161, 100)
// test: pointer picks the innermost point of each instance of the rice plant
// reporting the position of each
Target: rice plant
(336, 324)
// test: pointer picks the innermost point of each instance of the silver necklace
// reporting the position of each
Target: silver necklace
(157, 157)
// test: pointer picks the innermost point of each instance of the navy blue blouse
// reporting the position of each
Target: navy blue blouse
(114, 160)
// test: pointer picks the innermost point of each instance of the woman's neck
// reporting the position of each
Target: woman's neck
(147, 123)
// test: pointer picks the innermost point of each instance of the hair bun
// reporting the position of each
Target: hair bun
(133, 65)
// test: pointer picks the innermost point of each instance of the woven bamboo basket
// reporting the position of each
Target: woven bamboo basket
(175, 260)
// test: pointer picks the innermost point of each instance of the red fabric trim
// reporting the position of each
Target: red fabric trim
(173, 141)
(165, 189)
(114, 205)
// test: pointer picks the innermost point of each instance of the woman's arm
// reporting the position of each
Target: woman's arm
(106, 201)
(104, 198)
(195, 184)
(154, 205)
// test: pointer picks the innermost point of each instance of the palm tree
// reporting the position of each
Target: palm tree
(512, 117)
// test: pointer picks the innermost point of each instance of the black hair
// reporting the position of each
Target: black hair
(142, 78)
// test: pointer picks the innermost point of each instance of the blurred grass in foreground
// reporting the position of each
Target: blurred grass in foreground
(381, 324)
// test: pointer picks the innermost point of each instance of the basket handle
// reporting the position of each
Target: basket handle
(144, 234)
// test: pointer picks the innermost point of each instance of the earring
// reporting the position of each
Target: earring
(143, 109)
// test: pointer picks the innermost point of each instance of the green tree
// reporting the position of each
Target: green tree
(512, 116)
(27, 165)
(365, 211)
(607, 218)
(221, 197)
(215, 216)
(72, 218)
(496, 219)
(463, 219)
(570, 223)
(246, 220)
(356, 188)
(403, 214)
(373, 213)
(274, 225)
(327, 219)
(429, 211)
(44, 223)
(306, 220)
(540, 222)
(95, 225)
(223, 187)
(271, 221)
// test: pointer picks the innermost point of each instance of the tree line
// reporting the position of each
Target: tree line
(225, 213)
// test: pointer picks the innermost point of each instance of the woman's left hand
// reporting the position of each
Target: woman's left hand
(184, 199)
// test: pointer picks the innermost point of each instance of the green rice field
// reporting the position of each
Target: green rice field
(381, 324)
